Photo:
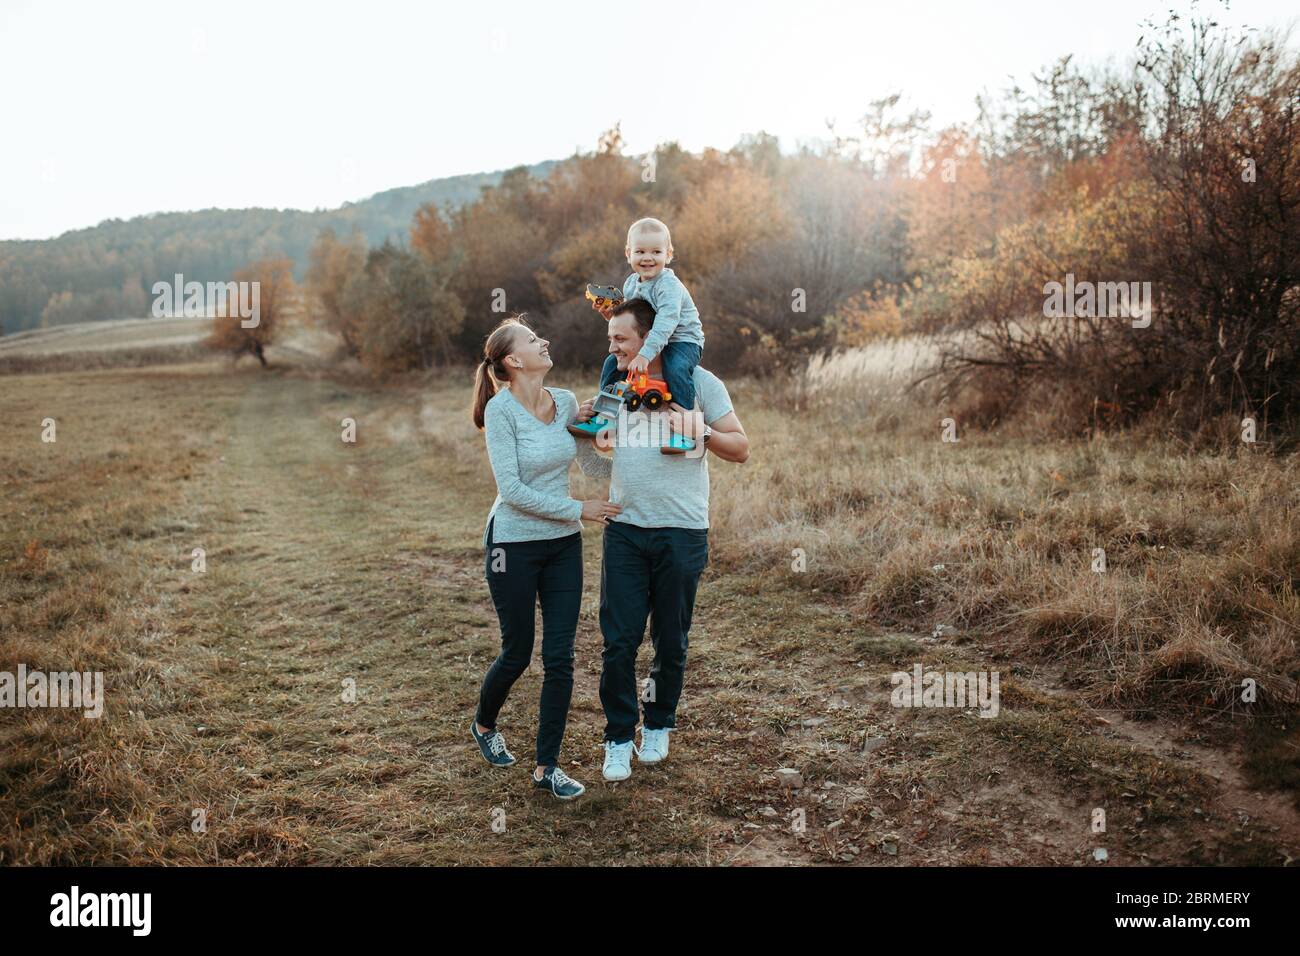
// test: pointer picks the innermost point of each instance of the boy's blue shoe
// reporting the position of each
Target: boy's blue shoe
(561, 785)
(492, 745)
(677, 445)
(590, 428)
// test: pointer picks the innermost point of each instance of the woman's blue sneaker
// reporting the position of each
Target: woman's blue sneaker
(492, 745)
(559, 783)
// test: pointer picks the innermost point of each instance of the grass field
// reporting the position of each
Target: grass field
(330, 562)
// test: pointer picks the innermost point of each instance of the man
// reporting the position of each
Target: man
(656, 549)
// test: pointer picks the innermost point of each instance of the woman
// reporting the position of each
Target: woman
(533, 540)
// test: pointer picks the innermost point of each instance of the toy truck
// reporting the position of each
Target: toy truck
(636, 391)
(603, 296)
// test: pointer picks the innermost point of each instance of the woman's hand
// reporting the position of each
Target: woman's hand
(598, 511)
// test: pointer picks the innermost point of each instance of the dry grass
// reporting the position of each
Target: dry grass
(995, 534)
(329, 562)
(23, 363)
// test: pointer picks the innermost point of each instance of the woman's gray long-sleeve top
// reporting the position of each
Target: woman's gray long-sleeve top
(531, 464)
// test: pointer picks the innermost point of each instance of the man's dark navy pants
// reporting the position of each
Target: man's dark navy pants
(646, 572)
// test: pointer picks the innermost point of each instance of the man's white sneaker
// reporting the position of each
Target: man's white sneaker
(618, 761)
(654, 745)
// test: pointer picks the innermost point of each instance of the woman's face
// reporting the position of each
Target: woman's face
(532, 353)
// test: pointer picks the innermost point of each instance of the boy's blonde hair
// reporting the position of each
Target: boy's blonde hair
(649, 225)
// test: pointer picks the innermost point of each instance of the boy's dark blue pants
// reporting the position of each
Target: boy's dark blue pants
(646, 572)
(679, 360)
(528, 573)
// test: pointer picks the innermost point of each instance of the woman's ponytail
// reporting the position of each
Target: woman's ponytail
(492, 373)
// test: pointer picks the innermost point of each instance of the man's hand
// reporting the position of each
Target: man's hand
(688, 424)
(638, 365)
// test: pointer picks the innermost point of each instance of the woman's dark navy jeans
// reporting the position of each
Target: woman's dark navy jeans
(522, 575)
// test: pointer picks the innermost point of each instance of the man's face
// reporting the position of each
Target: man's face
(624, 340)
(648, 253)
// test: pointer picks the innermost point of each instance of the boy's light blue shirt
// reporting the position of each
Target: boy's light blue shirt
(676, 318)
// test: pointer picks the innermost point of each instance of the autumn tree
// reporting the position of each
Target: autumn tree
(332, 263)
(431, 235)
(500, 246)
(1224, 163)
(271, 291)
(406, 314)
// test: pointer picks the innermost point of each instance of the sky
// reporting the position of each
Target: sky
(115, 110)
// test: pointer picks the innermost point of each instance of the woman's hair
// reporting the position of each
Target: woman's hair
(492, 373)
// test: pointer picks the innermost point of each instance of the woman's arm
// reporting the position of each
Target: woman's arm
(593, 465)
(502, 453)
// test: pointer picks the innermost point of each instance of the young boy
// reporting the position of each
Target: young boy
(677, 336)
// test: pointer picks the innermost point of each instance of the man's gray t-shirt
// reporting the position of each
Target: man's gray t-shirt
(658, 490)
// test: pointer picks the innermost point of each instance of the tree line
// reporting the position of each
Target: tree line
(1178, 176)
(107, 271)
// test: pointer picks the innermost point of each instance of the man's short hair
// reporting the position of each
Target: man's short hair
(642, 312)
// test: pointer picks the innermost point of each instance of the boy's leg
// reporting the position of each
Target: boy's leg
(679, 360)
(624, 606)
(559, 589)
(608, 372)
(678, 558)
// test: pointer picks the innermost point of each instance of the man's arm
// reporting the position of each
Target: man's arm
(728, 440)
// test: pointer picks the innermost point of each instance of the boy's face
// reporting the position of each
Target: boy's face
(648, 253)
(624, 340)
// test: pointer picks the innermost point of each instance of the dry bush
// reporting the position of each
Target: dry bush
(995, 535)
(1170, 195)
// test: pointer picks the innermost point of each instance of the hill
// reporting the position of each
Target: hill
(106, 271)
